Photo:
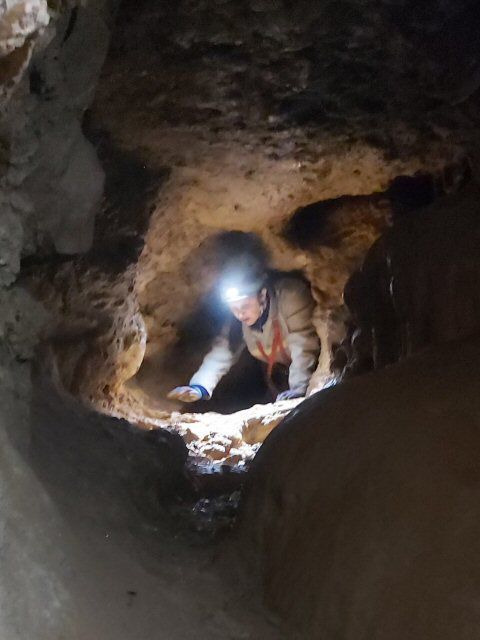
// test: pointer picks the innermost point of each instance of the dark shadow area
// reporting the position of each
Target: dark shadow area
(408, 193)
(95, 538)
(315, 225)
(309, 223)
(243, 386)
(128, 199)
(95, 465)
(127, 205)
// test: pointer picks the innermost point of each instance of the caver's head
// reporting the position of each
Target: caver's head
(244, 291)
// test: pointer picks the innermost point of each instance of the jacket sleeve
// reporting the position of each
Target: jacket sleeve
(296, 305)
(218, 361)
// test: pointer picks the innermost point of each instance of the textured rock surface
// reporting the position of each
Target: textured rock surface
(251, 128)
(231, 439)
(40, 134)
(365, 502)
(21, 25)
(67, 181)
(232, 132)
(96, 331)
(54, 181)
(404, 299)
(19, 22)
(75, 487)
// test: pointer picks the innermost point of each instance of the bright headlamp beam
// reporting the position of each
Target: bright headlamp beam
(232, 294)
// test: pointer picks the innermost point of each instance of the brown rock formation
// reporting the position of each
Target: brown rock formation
(218, 124)
(363, 508)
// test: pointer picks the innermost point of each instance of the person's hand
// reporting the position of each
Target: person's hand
(290, 394)
(185, 394)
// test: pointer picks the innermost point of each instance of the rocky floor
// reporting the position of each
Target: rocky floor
(225, 439)
(220, 450)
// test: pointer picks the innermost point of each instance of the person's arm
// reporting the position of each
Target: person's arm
(296, 305)
(225, 351)
(218, 361)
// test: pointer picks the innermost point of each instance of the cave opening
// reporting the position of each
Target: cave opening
(227, 429)
(203, 321)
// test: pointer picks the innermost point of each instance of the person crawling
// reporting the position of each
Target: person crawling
(275, 311)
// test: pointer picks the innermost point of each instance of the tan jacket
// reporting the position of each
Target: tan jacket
(292, 304)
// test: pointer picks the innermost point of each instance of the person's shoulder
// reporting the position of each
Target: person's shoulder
(286, 282)
(292, 289)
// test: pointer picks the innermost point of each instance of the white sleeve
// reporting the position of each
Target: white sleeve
(218, 361)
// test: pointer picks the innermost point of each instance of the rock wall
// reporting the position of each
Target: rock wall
(221, 131)
(97, 331)
(41, 107)
(85, 548)
(230, 116)
(362, 513)
(54, 181)
(419, 283)
(43, 150)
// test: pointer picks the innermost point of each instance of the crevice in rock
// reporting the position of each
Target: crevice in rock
(317, 225)
(71, 24)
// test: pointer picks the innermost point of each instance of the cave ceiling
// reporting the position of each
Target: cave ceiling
(265, 72)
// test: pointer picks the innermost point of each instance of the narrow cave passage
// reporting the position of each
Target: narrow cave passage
(223, 434)
(228, 427)
(180, 178)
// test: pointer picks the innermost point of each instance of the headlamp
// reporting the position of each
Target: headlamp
(233, 294)
(239, 283)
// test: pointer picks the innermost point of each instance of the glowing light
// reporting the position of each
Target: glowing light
(232, 294)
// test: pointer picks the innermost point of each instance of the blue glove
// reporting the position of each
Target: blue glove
(290, 394)
(185, 394)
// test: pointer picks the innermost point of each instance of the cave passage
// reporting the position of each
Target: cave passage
(227, 429)
(180, 178)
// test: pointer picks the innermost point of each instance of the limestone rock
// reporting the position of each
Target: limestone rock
(231, 439)
(19, 21)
